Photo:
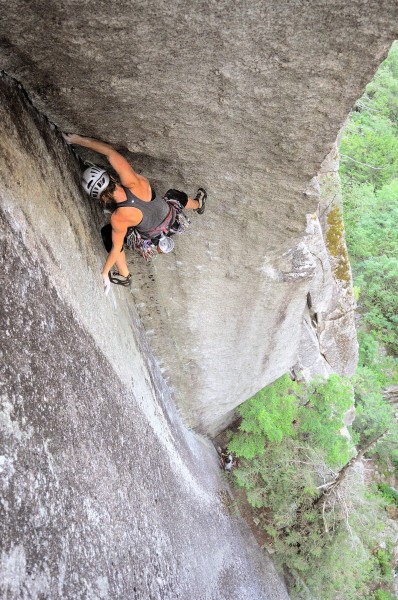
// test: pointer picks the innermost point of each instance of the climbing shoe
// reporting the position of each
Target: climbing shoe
(201, 196)
(118, 279)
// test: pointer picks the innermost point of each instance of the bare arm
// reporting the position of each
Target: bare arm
(119, 230)
(128, 176)
(118, 233)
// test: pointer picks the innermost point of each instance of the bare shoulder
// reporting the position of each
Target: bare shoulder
(125, 217)
(117, 220)
(141, 188)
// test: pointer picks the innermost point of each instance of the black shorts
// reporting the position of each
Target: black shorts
(181, 197)
(106, 231)
(106, 234)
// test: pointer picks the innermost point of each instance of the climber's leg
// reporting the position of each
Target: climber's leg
(197, 203)
(121, 264)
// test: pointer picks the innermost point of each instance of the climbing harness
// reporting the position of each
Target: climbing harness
(147, 244)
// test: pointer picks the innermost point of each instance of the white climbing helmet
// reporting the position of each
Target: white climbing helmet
(95, 180)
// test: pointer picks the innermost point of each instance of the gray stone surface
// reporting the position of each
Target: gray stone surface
(104, 494)
(310, 360)
(328, 339)
(336, 324)
(244, 98)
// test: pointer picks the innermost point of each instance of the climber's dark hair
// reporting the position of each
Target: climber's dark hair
(107, 195)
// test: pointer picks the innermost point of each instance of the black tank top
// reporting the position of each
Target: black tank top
(154, 212)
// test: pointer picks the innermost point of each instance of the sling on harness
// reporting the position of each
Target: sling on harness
(146, 243)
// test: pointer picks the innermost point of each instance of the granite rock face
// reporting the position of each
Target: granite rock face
(338, 341)
(104, 493)
(245, 99)
(329, 342)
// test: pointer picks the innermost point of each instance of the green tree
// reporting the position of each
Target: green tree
(378, 277)
(320, 522)
(369, 167)
(369, 145)
(371, 155)
(310, 414)
(268, 416)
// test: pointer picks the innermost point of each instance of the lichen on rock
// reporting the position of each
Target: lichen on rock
(329, 343)
(337, 247)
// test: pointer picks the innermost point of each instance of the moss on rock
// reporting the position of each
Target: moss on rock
(336, 246)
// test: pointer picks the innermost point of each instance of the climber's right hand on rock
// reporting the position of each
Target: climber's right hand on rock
(106, 283)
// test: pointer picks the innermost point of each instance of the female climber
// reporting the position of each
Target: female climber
(133, 204)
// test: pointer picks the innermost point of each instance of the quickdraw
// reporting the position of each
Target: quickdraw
(181, 222)
(135, 241)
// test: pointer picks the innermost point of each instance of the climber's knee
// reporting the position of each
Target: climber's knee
(181, 197)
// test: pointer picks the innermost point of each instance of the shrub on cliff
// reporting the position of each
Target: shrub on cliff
(310, 414)
(289, 444)
(324, 527)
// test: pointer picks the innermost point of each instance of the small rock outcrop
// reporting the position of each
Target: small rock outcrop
(329, 342)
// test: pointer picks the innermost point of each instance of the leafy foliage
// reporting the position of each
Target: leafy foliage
(321, 418)
(376, 371)
(371, 217)
(388, 493)
(383, 595)
(328, 545)
(371, 136)
(369, 151)
(372, 223)
(379, 277)
(269, 415)
(311, 414)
